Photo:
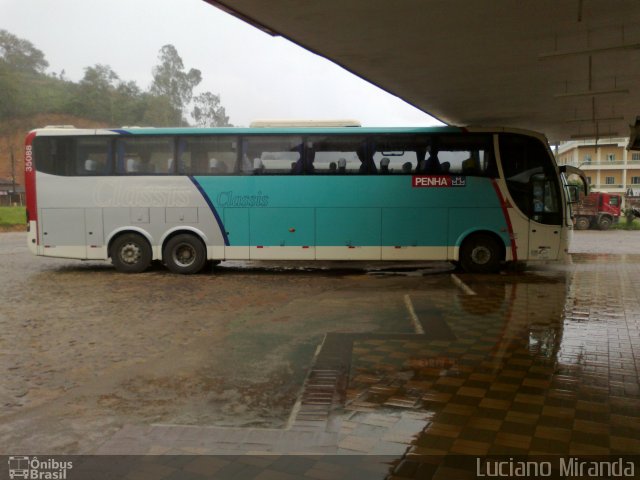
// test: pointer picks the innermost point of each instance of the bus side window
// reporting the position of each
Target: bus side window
(145, 155)
(207, 155)
(462, 162)
(469, 155)
(397, 154)
(93, 156)
(273, 155)
(367, 165)
(54, 155)
(395, 163)
(337, 155)
(184, 157)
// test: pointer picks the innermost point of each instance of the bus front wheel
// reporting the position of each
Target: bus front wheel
(185, 254)
(131, 253)
(480, 254)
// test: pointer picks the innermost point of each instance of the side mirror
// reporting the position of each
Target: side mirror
(568, 171)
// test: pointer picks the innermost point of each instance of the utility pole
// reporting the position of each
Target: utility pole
(13, 178)
(13, 172)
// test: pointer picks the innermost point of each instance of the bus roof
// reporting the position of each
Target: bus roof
(70, 131)
(302, 130)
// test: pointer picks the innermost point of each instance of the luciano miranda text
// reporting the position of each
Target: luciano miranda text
(567, 467)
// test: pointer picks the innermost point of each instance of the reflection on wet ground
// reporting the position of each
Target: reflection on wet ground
(540, 363)
(412, 363)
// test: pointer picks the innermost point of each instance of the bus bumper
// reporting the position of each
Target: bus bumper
(32, 237)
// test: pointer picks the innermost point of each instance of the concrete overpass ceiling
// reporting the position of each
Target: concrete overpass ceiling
(568, 68)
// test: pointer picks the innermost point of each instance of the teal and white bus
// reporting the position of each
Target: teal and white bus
(183, 196)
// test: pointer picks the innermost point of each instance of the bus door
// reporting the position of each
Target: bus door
(534, 186)
(545, 224)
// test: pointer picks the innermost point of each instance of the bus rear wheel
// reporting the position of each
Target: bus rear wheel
(131, 253)
(480, 253)
(185, 254)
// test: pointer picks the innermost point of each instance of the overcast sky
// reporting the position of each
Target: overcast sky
(256, 75)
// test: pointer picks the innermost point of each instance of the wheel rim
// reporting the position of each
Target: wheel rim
(184, 255)
(481, 255)
(130, 253)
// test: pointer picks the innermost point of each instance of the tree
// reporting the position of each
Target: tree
(20, 55)
(100, 77)
(96, 93)
(170, 79)
(26, 89)
(158, 112)
(18, 58)
(207, 111)
(9, 92)
(128, 104)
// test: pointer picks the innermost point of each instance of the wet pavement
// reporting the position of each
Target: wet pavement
(405, 362)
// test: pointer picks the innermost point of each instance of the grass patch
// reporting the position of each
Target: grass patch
(10, 216)
(624, 225)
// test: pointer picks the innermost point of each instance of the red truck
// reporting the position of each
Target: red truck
(597, 210)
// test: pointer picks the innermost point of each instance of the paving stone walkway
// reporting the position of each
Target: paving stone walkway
(534, 364)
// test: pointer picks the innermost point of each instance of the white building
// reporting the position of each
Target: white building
(608, 165)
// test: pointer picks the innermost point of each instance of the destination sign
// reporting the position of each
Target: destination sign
(422, 181)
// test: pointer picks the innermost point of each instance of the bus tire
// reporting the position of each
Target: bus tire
(131, 253)
(582, 223)
(185, 254)
(604, 223)
(480, 253)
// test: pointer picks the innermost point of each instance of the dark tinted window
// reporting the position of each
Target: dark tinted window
(465, 154)
(207, 155)
(531, 178)
(93, 156)
(458, 154)
(145, 155)
(54, 155)
(271, 155)
(338, 154)
(398, 154)
(73, 155)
